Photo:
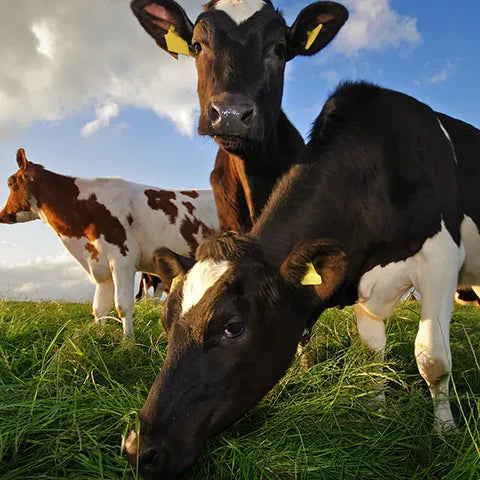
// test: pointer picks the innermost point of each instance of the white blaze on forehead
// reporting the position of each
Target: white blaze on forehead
(200, 278)
(240, 10)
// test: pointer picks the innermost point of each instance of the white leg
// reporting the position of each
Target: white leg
(145, 289)
(437, 277)
(102, 301)
(379, 292)
(371, 330)
(124, 280)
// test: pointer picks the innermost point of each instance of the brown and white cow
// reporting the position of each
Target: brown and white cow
(111, 226)
(240, 49)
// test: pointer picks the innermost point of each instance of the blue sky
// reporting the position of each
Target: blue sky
(57, 77)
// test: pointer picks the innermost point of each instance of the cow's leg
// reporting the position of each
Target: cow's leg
(437, 276)
(124, 280)
(141, 290)
(102, 301)
(379, 292)
(371, 330)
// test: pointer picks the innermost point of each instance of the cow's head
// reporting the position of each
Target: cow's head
(19, 203)
(240, 49)
(233, 324)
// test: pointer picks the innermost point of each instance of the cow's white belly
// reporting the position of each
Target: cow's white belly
(380, 289)
(470, 271)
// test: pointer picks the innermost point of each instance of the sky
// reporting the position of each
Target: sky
(87, 93)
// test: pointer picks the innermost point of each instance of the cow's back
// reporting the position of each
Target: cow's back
(466, 143)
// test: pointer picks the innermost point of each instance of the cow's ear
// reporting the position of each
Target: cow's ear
(166, 22)
(22, 161)
(315, 27)
(171, 266)
(320, 264)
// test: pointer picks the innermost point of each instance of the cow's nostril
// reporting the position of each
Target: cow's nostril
(247, 116)
(214, 114)
(149, 460)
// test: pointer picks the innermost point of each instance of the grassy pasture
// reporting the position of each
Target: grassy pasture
(69, 390)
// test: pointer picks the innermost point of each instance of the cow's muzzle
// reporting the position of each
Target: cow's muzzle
(231, 116)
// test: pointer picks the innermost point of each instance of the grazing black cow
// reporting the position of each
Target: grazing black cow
(385, 202)
(240, 49)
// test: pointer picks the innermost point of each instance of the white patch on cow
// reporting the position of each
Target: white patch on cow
(470, 271)
(240, 10)
(380, 289)
(201, 277)
(444, 130)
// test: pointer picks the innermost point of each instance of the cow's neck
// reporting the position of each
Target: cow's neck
(254, 175)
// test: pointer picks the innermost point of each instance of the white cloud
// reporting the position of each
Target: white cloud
(332, 77)
(5, 244)
(45, 40)
(103, 115)
(61, 58)
(442, 75)
(439, 76)
(374, 25)
(57, 278)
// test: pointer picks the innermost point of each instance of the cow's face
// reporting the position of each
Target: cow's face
(18, 206)
(233, 323)
(240, 49)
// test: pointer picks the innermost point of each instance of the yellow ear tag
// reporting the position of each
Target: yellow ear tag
(311, 276)
(312, 36)
(175, 282)
(175, 43)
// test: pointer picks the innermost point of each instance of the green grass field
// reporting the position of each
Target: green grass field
(69, 390)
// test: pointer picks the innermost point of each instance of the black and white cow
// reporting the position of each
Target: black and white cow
(240, 49)
(385, 201)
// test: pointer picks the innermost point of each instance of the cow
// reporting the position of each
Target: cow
(385, 201)
(112, 227)
(148, 281)
(240, 49)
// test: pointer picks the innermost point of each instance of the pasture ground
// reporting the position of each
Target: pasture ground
(68, 390)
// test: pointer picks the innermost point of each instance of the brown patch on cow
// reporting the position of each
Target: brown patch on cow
(190, 193)
(130, 219)
(57, 196)
(162, 200)
(90, 247)
(189, 228)
(189, 206)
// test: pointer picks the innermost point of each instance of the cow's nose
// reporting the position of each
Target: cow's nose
(149, 461)
(228, 118)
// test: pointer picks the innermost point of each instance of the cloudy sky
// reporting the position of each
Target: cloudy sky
(87, 93)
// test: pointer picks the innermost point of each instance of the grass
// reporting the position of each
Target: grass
(68, 390)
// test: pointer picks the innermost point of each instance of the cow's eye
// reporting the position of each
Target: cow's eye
(196, 48)
(233, 329)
